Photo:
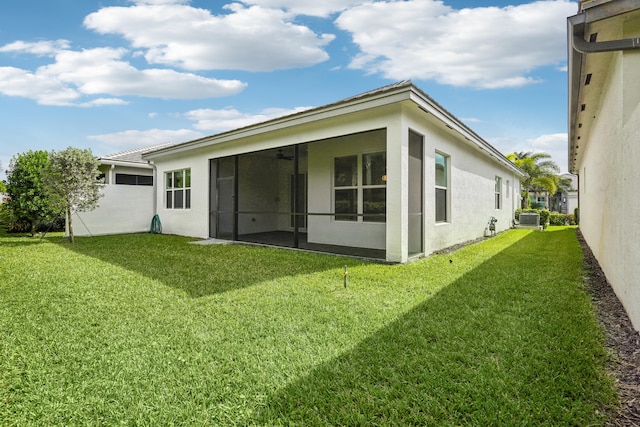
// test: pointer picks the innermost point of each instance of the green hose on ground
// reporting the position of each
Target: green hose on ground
(156, 226)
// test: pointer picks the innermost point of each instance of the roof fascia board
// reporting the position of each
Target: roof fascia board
(348, 106)
(397, 94)
(605, 10)
(576, 27)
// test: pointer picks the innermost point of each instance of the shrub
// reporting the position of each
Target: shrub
(561, 219)
(12, 224)
(576, 214)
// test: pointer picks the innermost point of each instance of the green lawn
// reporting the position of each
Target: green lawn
(150, 330)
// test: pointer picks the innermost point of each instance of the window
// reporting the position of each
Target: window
(178, 189)
(441, 187)
(374, 187)
(346, 188)
(498, 193)
(366, 196)
(128, 179)
(508, 189)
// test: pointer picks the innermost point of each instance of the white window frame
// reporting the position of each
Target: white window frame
(446, 187)
(498, 192)
(171, 189)
(359, 215)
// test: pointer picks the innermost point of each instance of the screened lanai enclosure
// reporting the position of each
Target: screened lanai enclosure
(327, 196)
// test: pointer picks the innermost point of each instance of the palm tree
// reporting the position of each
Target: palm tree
(542, 173)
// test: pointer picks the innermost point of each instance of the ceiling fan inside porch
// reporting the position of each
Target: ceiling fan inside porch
(281, 156)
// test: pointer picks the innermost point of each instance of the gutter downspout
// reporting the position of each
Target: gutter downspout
(578, 46)
(577, 25)
(155, 186)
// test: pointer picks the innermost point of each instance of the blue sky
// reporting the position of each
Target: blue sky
(114, 75)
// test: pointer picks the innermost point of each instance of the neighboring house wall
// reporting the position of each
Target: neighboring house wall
(606, 154)
(123, 209)
(568, 202)
(609, 176)
(112, 172)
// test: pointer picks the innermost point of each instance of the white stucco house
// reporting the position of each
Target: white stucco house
(566, 202)
(128, 202)
(604, 138)
(387, 174)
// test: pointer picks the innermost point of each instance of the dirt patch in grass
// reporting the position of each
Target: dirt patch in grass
(622, 340)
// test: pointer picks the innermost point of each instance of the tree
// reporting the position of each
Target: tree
(3, 186)
(542, 173)
(28, 201)
(73, 182)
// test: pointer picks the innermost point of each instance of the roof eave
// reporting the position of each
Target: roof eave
(394, 93)
(429, 105)
(399, 92)
(577, 26)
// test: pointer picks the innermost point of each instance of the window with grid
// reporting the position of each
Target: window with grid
(346, 188)
(178, 189)
(365, 197)
(442, 186)
(374, 187)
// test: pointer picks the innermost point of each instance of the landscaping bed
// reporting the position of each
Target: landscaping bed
(622, 340)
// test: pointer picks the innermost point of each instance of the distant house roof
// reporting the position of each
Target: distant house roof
(132, 157)
(396, 92)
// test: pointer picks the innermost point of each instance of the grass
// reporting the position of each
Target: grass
(149, 330)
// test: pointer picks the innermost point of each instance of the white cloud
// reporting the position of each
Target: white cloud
(75, 75)
(484, 47)
(555, 144)
(47, 90)
(104, 101)
(322, 8)
(551, 141)
(46, 47)
(230, 118)
(246, 38)
(141, 138)
(157, 2)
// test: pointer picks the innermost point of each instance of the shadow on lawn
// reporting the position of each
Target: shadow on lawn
(202, 270)
(506, 344)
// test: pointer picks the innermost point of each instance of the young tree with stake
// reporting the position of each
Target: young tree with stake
(73, 182)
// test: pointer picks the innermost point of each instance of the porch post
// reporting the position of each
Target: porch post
(296, 222)
(397, 191)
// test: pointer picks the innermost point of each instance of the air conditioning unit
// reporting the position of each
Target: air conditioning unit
(529, 218)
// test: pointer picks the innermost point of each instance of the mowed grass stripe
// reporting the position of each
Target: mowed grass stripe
(150, 330)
